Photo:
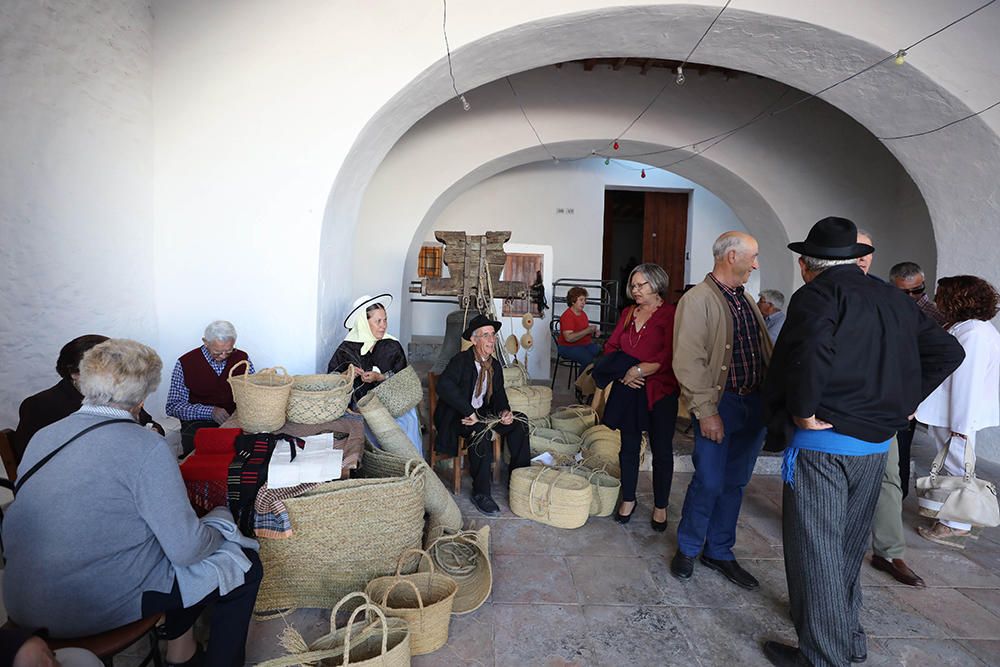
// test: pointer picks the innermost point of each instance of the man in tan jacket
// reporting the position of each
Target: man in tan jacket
(721, 351)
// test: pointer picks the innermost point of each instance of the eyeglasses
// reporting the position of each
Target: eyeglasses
(487, 335)
(637, 287)
(919, 289)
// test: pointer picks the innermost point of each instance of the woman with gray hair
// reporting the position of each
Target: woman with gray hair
(101, 533)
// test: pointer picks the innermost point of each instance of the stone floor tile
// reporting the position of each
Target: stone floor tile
(884, 615)
(705, 588)
(470, 641)
(956, 614)
(989, 598)
(987, 650)
(732, 637)
(925, 652)
(532, 579)
(636, 636)
(600, 536)
(951, 567)
(984, 552)
(619, 580)
(768, 527)
(751, 544)
(758, 502)
(773, 591)
(540, 634)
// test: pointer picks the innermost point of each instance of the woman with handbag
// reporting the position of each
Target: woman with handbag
(969, 400)
(638, 356)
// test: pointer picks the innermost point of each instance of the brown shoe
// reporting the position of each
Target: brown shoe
(899, 570)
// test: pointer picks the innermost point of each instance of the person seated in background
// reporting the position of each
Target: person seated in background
(576, 333)
(771, 304)
(200, 395)
(110, 494)
(63, 398)
(375, 356)
(471, 391)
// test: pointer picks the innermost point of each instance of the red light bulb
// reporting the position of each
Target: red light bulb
(643, 174)
(616, 146)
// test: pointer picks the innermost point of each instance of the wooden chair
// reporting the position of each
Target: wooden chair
(107, 645)
(457, 461)
(7, 454)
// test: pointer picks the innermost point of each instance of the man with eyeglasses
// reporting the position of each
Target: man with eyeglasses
(470, 394)
(200, 395)
(909, 277)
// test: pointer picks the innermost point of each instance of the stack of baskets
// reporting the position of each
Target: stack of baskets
(605, 489)
(316, 399)
(552, 496)
(533, 400)
(573, 419)
(559, 443)
(260, 398)
(600, 449)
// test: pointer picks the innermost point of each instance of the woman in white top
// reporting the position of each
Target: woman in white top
(969, 400)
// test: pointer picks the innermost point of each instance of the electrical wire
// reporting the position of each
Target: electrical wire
(705, 34)
(938, 129)
(447, 49)
(528, 120)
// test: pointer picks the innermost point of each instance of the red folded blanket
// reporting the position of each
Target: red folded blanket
(214, 449)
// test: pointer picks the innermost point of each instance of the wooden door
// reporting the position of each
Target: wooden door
(664, 235)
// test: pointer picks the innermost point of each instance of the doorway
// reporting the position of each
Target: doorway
(645, 226)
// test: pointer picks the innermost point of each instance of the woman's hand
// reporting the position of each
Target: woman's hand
(811, 423)
(371, 376)
(633, 378)
(471, 420)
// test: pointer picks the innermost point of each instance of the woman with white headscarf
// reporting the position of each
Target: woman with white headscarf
(375, 355)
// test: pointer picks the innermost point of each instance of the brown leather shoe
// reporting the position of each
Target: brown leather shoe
(899, 570)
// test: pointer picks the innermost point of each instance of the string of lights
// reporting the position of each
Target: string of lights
(447, 48)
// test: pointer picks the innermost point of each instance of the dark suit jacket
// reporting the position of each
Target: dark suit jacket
(454, 390)
(857, 353)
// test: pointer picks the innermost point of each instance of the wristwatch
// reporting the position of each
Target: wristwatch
(638, 369)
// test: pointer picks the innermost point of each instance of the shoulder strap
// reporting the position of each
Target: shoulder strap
(24, 478)
(629, 311)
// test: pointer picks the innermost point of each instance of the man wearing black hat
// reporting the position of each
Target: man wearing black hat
(841, 382)
(470, 392)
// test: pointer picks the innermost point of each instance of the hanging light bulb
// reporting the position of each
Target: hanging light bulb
(607, 161)
(643, 174)
(615, 146)
(465, 103)
(900, 57)
(555, 159)
(680, 75)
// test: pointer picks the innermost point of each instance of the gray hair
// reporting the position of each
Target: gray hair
(865, 232)
(905, 270)
(817, 265)
(727, 242)
(119, 373)
(773, 297)
(658, 279)
(220, 330)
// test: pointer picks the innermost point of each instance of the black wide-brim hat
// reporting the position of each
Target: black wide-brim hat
(477, 322)
(832, 238)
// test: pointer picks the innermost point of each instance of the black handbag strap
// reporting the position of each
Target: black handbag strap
(24, 478)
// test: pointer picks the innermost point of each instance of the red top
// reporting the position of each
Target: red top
(654, 343)
(570, 321)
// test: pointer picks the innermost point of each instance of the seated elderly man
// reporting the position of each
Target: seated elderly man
(200, 395)
(771, 304)
(470, 391)
(63, 398)
(101, 534)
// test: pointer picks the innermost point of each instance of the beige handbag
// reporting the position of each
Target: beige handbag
(964, 499)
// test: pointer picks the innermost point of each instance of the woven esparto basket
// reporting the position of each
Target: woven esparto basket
(401, 392)
(533, 400)
(260, 398)
(600, 449)
(541, 422)
(515, 376)
(605, 489)
(377, 640)
(424, 600)
(345, 533)
(317, 399)
(573, 418)
(554, 441)
(465, 557)
(551, 496)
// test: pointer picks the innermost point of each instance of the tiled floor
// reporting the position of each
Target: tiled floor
(603, 595)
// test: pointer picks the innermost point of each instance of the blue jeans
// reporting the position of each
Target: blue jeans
(581, 354)
(721, 470)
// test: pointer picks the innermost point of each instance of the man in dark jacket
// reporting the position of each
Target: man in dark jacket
(842, 375)
(470, 391)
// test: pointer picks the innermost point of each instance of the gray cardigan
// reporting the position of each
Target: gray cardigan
(102, 522)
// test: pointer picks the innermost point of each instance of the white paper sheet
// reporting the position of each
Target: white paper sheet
(317, 461)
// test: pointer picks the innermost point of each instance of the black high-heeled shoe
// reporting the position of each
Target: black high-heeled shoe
(658, 526)
(624, 518)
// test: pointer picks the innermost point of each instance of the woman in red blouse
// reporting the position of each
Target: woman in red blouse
(576, 333)
(645, 333)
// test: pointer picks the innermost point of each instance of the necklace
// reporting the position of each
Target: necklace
(633, 339)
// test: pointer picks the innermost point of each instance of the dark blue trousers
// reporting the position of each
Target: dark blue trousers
(581, 354)
(721, 470)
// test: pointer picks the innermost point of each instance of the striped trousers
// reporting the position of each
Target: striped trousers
(826, 520)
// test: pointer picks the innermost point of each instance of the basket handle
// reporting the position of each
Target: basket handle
(397, 582)
(274, 370)
(413, 550)
(336, 607)
(350, 626)
(531, 489)
(245, 362)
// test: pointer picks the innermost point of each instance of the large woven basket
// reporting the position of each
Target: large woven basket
(424, 600)
(377, 640)
(316, 399)
(605, 489)
(515, 376)
(345, 533)
(465, 557)
(600, 449)
(533, 400)
(554, 441)
(573, 418)
(401, 392)
(553, 496)
(260, 398)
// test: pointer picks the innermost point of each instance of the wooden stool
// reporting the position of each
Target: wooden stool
(107, 645)
(458, 460)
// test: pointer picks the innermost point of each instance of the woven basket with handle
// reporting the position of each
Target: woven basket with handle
(534, 401)
(574, 419)
(554, 441)
(553, 496)
(317, 399)
(401, 392)
(465, 557)
(605, 489)
(261, 398)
